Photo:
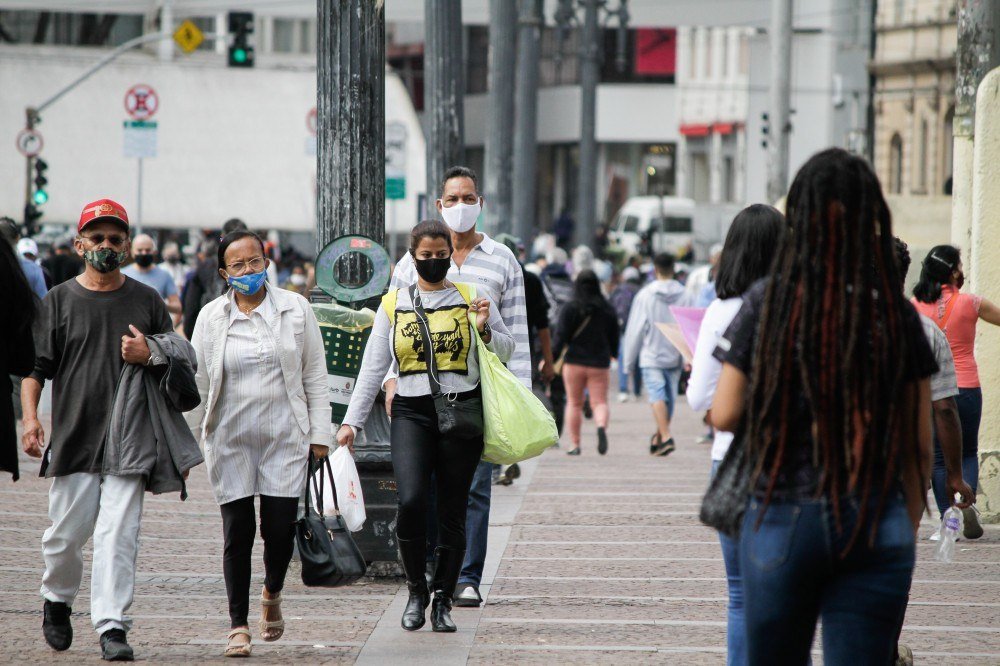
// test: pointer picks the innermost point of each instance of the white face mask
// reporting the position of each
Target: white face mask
(461, 217)
(297, 280)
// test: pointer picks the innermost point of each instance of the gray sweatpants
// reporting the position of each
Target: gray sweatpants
(109, 508)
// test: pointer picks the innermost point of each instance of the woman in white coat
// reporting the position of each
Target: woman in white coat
(264, 402)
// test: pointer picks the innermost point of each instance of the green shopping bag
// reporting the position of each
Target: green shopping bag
(518, 426)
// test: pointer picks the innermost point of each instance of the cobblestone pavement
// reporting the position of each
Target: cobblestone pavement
(603, 561)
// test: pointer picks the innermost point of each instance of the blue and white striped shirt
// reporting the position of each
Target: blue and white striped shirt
(493, 267)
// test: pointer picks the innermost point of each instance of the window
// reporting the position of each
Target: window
(728, 178)
(896, 164)
(672, 225)
(707, 48)
(631, 223)
(899, 11)
(947, 151)
(477, 61)
(693, 35)
(744, 66)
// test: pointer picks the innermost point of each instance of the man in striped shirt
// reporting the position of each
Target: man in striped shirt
(478, 260)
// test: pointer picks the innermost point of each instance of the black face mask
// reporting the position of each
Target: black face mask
(144, 260)
(960, 280)
(433, 270)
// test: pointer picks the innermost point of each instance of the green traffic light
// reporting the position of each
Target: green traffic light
(40, 197)
(240, 55)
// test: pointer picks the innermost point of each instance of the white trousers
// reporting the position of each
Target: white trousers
(109, 508)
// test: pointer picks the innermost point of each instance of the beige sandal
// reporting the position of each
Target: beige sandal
(238, 649)
(277, 626)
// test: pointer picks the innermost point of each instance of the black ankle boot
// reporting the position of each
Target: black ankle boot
(448, 564)
(412, 553)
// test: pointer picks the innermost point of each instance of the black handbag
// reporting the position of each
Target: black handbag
(725, 502)
(461, 419)
(329, 556)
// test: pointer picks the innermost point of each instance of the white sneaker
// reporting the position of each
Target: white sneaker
(936, 536)
(623, 397)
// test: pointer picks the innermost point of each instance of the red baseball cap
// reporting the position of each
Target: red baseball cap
(104, 210)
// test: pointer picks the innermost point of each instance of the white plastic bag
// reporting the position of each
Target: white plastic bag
(349, 496)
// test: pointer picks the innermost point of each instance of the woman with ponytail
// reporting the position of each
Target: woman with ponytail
(825, 379)
(938, 296)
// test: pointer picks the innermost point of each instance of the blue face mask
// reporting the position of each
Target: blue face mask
(248, 284)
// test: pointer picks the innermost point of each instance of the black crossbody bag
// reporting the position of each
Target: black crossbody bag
(462, 419)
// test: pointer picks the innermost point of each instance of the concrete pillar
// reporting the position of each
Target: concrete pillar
(499, 148)
(985, 256)
(681, 167)
(715, 168)
(221, 28)
(444, 90)
(165, 47)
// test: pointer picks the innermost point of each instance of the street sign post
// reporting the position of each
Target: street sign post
(395, 174)
(29, 142)
(139, 142)
(188, 36)
(141, 102)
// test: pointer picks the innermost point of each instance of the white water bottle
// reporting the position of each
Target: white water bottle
(951, 527)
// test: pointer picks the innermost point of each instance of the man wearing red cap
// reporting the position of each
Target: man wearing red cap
(89, 328)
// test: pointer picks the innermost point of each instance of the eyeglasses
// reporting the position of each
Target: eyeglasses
(114, 239)
(240, 267)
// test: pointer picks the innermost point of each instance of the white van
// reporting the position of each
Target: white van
(667, 221)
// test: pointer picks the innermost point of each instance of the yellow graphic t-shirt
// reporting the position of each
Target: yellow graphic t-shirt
(452, 340)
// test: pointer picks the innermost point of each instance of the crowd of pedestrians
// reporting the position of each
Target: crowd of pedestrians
(842, 400)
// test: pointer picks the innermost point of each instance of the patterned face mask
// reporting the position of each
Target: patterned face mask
(105, 260)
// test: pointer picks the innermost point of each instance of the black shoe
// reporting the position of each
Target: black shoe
(448, 563)
(666, 448)
(573, 452)
(56, 626)
(602, 441)
(114, 647)
(413, 554)
(441, 613)
(654, 443)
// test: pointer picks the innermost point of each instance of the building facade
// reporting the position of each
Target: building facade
(914, 73)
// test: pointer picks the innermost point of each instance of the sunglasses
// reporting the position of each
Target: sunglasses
(114, 239)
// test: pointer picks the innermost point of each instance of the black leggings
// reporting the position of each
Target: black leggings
(418, 451)
(239, 526)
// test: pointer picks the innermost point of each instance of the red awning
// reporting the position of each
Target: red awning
(696, 130)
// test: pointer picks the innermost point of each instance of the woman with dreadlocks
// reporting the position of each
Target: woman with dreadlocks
(830, 364)
(938, 297)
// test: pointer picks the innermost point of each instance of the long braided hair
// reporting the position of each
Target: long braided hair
(833, 317)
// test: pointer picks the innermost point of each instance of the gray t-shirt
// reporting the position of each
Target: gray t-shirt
(944, 383)
(155, 277)
(78, 340)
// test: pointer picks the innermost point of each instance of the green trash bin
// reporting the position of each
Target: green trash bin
(345, 332)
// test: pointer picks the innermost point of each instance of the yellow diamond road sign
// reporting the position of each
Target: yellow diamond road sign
(188, 36)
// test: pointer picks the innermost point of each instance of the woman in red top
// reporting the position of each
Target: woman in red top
(938, 296)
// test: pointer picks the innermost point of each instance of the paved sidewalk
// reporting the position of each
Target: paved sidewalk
(592, 559)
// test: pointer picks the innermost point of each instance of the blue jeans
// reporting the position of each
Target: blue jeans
(970, 412)
(477, 525)
(633, 372)
(736, 631)
(793, 573)
(661, 384)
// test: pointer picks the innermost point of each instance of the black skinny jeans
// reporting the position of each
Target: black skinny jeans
(239, 526)
(418, 452)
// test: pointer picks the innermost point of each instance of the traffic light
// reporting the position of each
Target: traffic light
(31, 215)
(240, 49)
(40, 195)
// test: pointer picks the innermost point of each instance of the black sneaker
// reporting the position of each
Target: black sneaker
(114, 647)
(666, 448)
(602, 441)
(56, 626)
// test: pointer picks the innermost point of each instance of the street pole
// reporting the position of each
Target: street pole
(586, 189)
(500, 116)
(444, 90)
(978, 53)
(526, 119)
(350, 133)
(781, 93)
(350, 177)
